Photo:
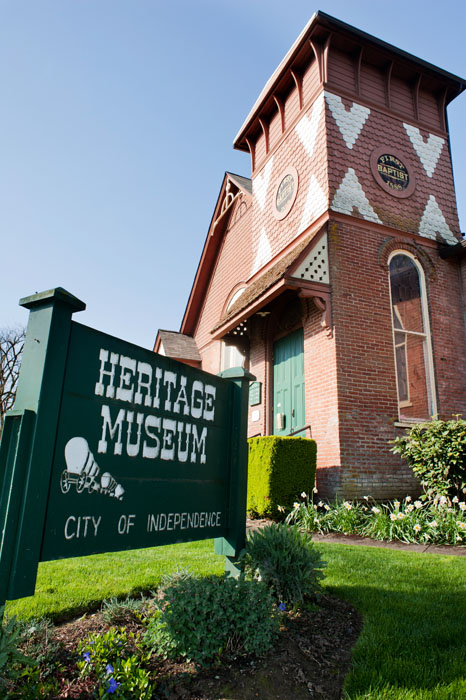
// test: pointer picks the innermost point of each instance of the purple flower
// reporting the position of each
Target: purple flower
(86, 656)
(108, 669)
(112, 685)
(282, 607)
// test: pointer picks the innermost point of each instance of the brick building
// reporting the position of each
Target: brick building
(335, 273)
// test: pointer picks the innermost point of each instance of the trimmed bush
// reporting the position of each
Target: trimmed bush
(436, 452)
(278, 469)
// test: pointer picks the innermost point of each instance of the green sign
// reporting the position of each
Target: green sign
(113, 447)
(255, 390)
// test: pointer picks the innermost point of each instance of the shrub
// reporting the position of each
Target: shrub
(285, 559)
(278, 468)
(11, 658)
(436, 452)
(202, 618)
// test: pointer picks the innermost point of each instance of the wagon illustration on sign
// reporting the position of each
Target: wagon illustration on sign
(82, 471)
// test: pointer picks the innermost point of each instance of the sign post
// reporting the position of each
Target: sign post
(112, 447)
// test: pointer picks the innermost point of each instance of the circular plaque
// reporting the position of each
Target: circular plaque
(391, 172)
(286, 190)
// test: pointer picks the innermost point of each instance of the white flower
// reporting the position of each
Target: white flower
(347, 505)
(418, 504)
(366, 498)
(455, 499)
(327, 507)
(320, 504)
(462, 505)
(396, 504)
(433, 523)
(296, 505)
(443, 500)
(435, 501)
(408, 499)
(315, 507)
(400, 516)
(303, 494)
(375, 510)
(281, 509)
(410, 508)
(392, 516)
(314, 490)
(450, 510)
(417, 527)
(462, 526)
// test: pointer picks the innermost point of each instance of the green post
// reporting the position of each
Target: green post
(232, 545)
(29, 438)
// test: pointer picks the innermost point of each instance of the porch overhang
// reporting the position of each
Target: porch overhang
(318, 292)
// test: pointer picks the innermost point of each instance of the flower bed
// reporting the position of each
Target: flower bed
(439, 521)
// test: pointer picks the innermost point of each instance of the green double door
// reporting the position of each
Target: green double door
(289, 413)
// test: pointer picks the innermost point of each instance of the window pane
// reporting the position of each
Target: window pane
(406, 294)
(413, 378)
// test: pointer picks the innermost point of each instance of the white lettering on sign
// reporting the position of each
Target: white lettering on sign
(182, 521)
(153, 437)
(81, 526)
(125, 523)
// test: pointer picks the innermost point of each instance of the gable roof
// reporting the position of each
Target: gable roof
(211, 249)
(177, 345)
(275, 280)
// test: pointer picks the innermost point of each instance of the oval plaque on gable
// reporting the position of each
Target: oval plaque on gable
(391, 172)
(286, 190)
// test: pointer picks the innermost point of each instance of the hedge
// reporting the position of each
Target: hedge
(279, 469)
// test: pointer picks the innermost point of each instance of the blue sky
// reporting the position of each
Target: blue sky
(117, 124)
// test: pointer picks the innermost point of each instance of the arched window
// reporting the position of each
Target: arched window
(411, 339)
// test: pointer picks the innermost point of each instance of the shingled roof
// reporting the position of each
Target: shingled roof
(264, 282)
(179, 346)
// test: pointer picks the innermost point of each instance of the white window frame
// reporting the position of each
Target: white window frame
(429, 369)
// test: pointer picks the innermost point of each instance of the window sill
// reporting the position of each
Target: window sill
(408, 423)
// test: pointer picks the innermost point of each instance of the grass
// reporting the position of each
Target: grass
(69, 587)
(413, 644)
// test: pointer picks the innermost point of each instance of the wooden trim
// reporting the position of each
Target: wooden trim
(318, 53)
(252, 151)
(281, 111)
(358, 71)
(376, 106)
(442, 102)
(417, 86)
(265, 130)
(325, 58)
(354, 221)
(388, 77)
(298, 79)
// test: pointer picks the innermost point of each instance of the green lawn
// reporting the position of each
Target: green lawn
(69, 587)
(413, 644)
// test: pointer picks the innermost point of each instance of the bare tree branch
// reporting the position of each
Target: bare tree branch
(11, 348)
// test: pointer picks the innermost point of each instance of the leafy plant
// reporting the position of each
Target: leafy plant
(117, 672)
(11, 659)
(436, 452)
(122, 611)
(285, 559)
(203, 618)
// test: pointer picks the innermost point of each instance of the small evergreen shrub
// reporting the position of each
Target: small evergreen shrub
(278, 468)
(203, 618)
(436, 452)
(285, 559)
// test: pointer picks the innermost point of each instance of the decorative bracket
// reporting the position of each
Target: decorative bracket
(323, 302)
